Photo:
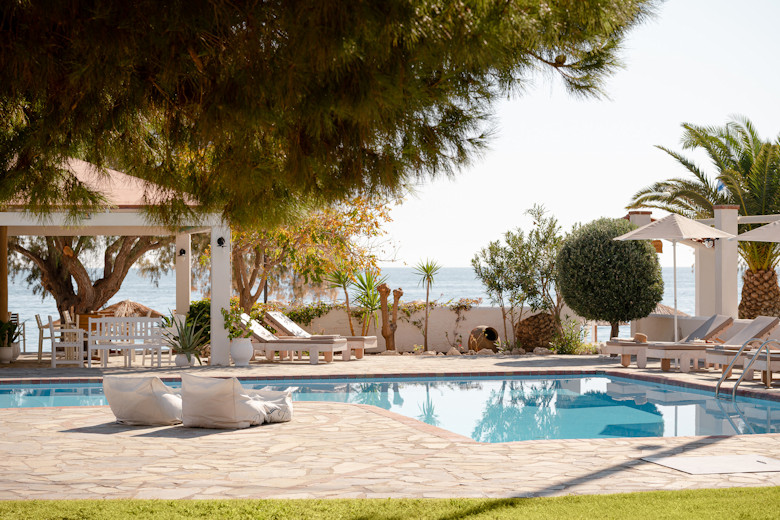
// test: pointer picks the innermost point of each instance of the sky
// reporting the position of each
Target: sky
(697, 61)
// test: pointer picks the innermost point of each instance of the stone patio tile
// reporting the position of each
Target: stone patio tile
(338, 450)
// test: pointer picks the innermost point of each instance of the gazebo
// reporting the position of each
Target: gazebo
(124, 216)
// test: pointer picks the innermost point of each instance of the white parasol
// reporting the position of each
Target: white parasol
(768, 233)
(675, 228)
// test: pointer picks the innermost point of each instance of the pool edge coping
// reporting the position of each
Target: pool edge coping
(651, 378)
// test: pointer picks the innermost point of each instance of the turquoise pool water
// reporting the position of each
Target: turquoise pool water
(502, 410)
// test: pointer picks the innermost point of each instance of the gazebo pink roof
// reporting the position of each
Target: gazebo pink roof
(120, 190)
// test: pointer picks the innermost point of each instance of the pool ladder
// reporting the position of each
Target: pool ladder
(746, 368)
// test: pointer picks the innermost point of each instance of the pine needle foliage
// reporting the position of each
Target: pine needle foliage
(249, 107)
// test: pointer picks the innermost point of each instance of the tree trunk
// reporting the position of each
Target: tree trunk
(425, 334)
(387, 332)
(349, 312)
(615, 332)
(760, 294)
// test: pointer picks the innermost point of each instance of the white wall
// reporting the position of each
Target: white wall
(440, 320)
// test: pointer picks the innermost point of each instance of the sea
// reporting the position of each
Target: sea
(450, 283)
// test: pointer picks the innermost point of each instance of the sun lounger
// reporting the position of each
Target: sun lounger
(723, 355)
(270, 344)
(687, 354)
(288, 327)
(707, 331)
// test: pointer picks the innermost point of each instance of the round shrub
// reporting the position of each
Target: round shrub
(607, 280)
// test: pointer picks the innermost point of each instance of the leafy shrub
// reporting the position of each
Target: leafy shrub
(603, 279)
(570, 339)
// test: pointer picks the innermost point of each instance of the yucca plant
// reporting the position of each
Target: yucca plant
(367, 296)
(426, 270)
(747, 174)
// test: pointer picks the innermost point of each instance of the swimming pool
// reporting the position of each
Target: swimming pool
(490, 409)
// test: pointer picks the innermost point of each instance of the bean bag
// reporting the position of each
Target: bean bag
(142, 400)
(219, 403)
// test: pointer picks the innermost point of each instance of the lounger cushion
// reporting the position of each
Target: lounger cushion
(142, 400)
(278, 405)
(219, 403)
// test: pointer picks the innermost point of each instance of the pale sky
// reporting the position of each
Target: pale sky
(698, 61)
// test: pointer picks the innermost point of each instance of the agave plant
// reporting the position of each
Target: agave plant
(186, 337)
(367, 296)
(747, 174)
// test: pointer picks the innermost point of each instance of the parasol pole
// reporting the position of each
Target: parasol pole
(674, 263)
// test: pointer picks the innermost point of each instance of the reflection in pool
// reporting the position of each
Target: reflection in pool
(502, 410)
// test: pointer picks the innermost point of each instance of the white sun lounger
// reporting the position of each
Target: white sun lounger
(269, 344)
(760, 327)
(707, 331)
(282, 323)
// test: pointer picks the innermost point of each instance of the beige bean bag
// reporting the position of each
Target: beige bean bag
(219, 403)
(142, 400)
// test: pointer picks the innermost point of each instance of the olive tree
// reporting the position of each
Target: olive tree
(604, 279)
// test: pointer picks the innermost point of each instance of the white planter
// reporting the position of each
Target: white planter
(182, 361)
(241, 351)
(6, 355)
(17, 351)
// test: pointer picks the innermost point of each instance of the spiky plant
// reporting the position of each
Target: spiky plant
(747, 174)
(426, 270)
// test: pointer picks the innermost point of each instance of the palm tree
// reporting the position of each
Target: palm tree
(747, 175)
(427, 269)
(341, 278)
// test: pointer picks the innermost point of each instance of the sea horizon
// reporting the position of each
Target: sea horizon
(451, 283)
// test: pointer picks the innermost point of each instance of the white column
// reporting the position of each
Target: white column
(220, 293)
(704, 272)
(183, 273)
(639, 218)
(726, 256)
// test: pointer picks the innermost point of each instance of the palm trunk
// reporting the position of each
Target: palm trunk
(425, 335)
(760, 294)
(349, 312)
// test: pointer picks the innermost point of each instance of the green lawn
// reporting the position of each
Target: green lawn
(730, 504)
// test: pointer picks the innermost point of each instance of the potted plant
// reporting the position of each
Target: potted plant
(9, 334)
(186, 339)
(241, 349)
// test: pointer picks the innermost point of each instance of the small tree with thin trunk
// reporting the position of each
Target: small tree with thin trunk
(427, 270)
(342, 279)
(604, 279)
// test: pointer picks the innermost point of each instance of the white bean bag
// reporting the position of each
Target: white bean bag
(278, 404)
(142, 400)
(219, 403)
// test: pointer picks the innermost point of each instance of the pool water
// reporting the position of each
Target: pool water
(502, 410)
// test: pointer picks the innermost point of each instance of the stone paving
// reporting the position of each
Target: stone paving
(336, 450)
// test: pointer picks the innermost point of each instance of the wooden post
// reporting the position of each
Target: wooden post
(4, 273)
(387, 329)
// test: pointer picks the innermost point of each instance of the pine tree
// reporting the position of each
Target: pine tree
(247, 107)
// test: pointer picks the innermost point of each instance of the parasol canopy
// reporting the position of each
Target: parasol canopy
(767, 233)
(675, 228)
